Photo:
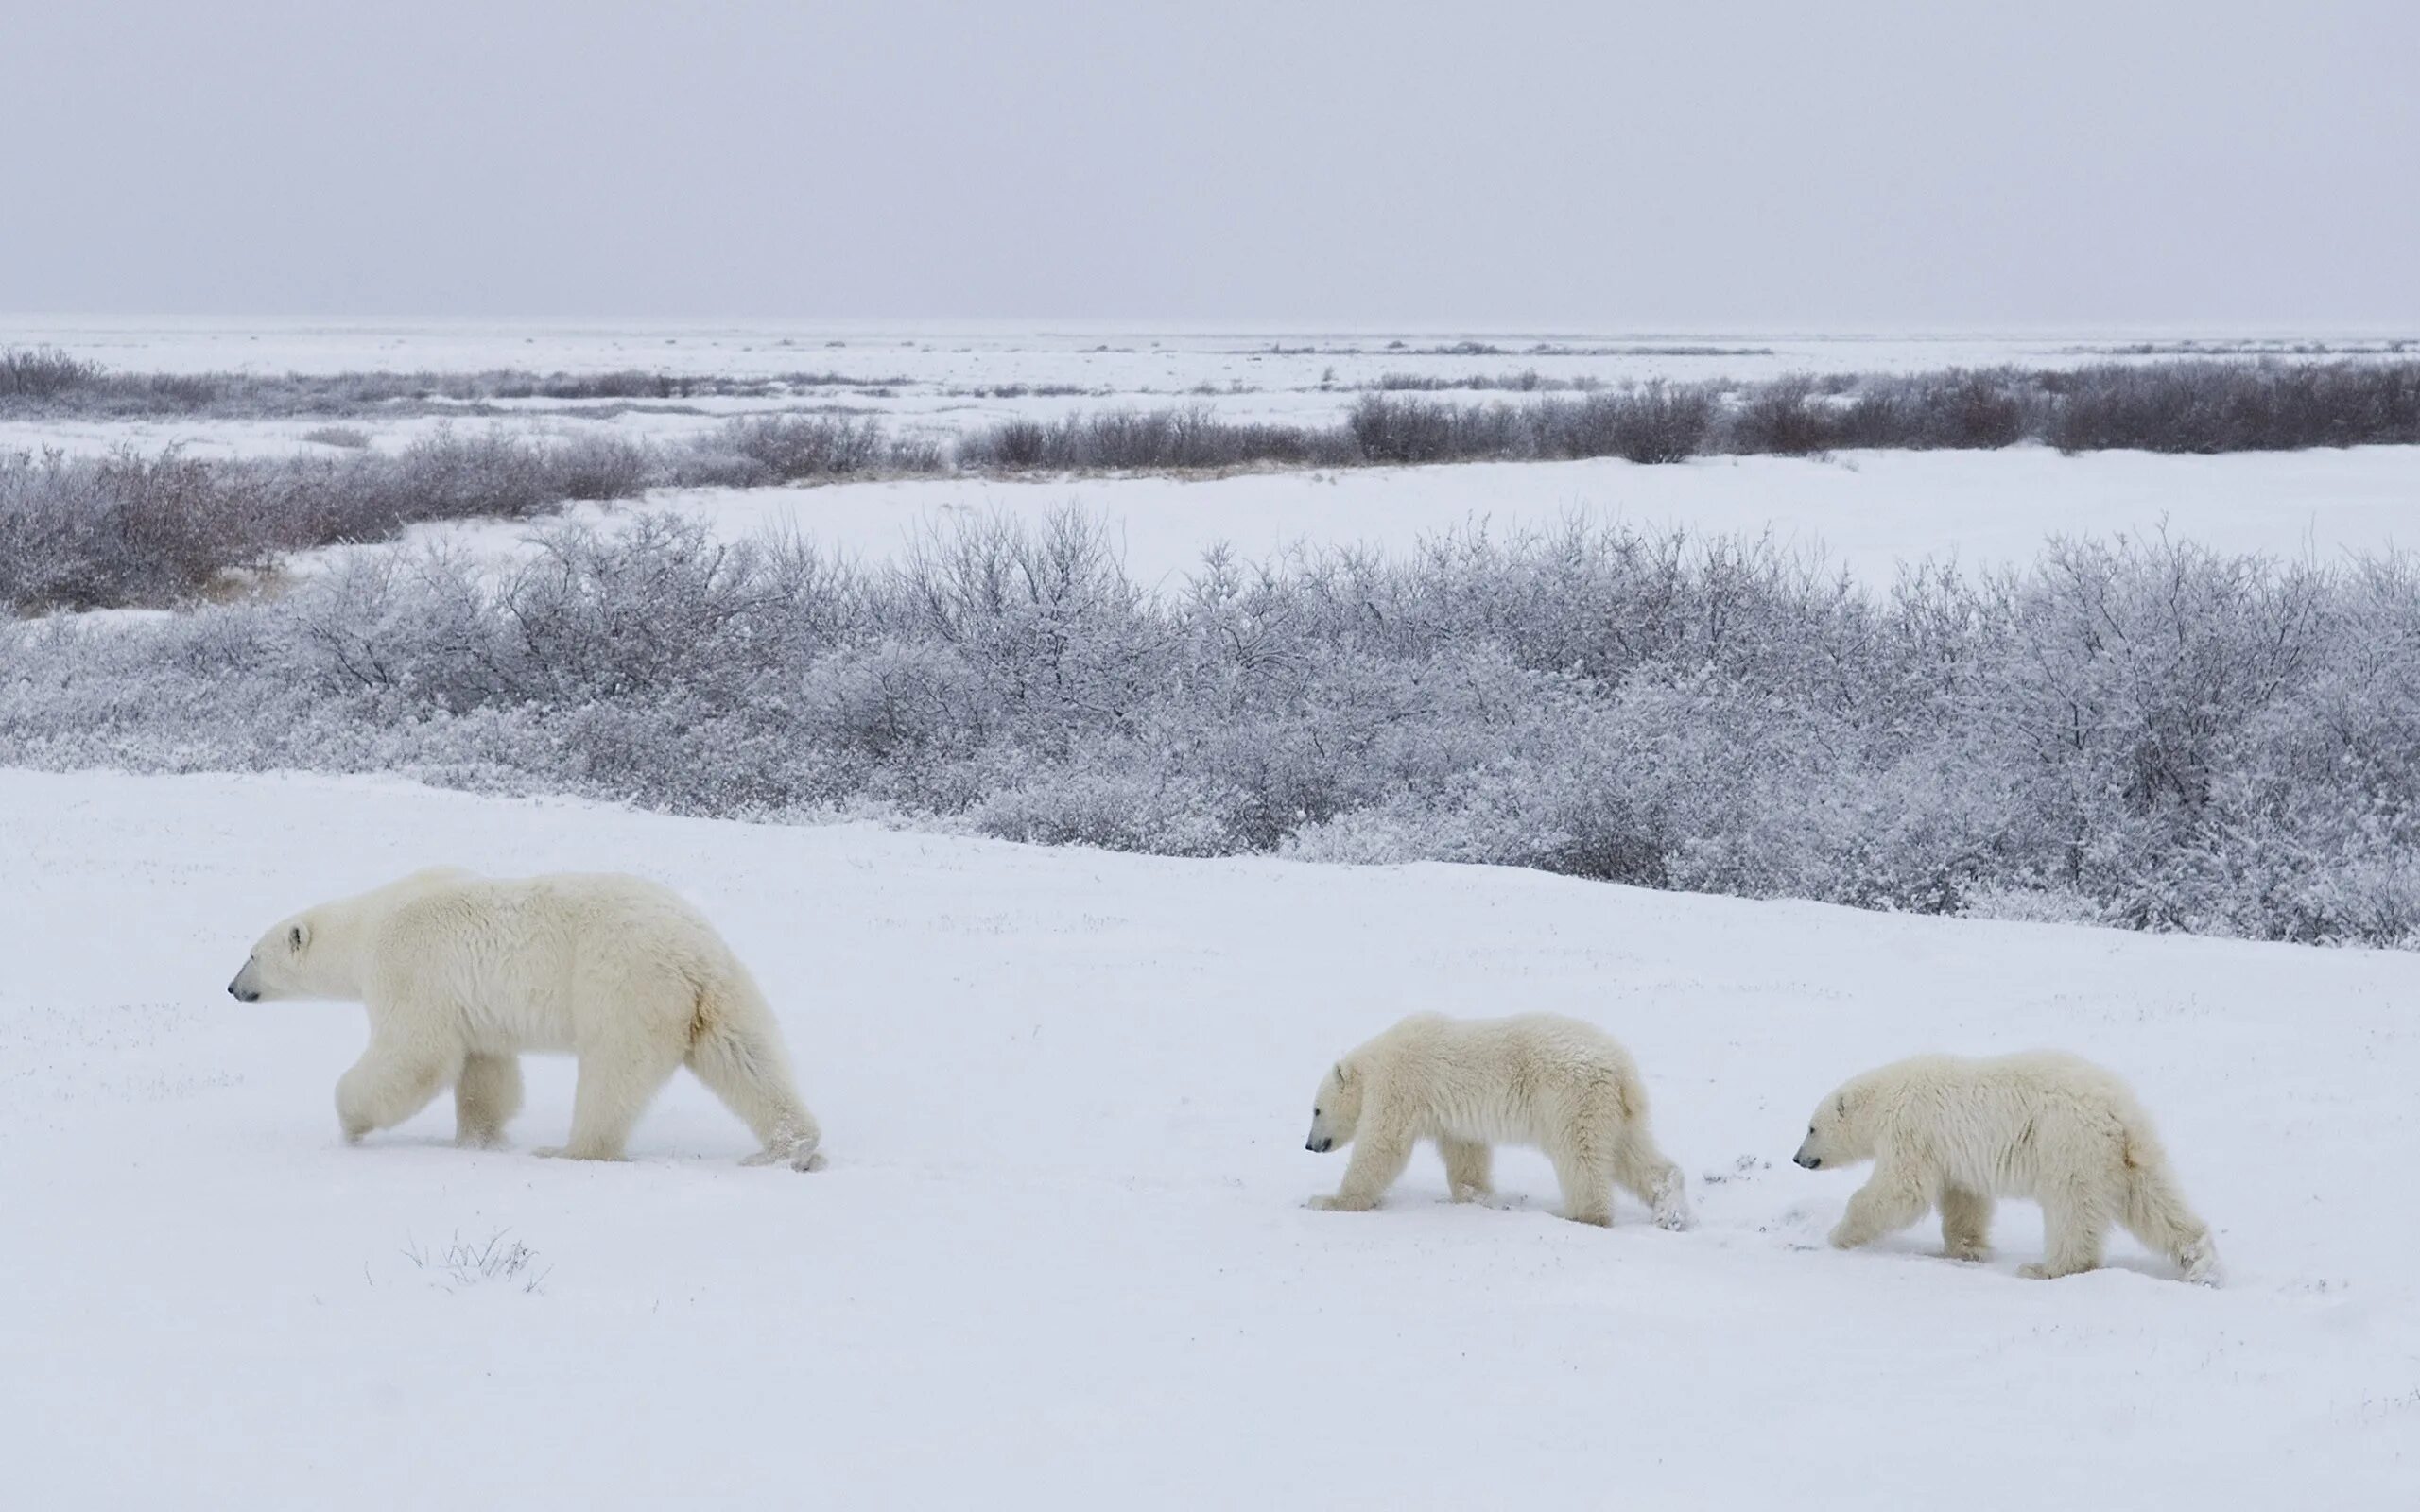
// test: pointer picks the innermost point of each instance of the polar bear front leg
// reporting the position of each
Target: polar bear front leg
(1468, 1163)
(485, 1096)
(1381, 1151)
(387, 1085)
(1890, 1199)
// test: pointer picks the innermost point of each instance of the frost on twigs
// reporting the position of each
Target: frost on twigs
(460, 1265)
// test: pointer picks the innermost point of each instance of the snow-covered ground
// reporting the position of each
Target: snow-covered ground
(1866, 512)
(1062, 1256)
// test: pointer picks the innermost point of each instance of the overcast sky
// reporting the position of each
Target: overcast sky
(1579, 165)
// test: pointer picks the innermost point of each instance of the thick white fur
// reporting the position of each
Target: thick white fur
(1952, 1133)
(1538, 1079)
(461, 973)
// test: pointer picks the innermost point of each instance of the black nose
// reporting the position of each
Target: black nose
(241, 995)
(1810, 1161)
(1317, 1146)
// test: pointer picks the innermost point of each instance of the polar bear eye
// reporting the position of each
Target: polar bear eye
(1315, 1112)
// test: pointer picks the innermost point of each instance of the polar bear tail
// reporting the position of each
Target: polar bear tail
(2156, 1214)
(737, 1054)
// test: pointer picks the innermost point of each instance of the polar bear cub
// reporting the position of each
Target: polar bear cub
(1539, 1080)
(461, 973)
(1947, 1132)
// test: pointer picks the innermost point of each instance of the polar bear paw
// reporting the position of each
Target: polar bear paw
(566, 1152)
(1669, 1200)
(1339, 1203)
(798, 1157)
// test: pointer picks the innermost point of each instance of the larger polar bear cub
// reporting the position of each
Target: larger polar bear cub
(461, 973)
(1951, 1133)
(1539, 1080)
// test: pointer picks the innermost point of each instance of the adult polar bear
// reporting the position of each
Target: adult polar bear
(1950, 1133)
(1560, 1084)
(461, 973)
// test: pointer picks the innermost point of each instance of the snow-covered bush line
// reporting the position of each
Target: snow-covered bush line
(45, 383)
(2139, 732)
(125, 530)
(128, 530)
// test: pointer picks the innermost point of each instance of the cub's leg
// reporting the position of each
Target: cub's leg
(2075, 1219)
(1468, 1166)
(1890, 1199)
(1641, 1170)
(1586, 1176)
(1381, 1148)
(1966, 1223)
(485, 1096)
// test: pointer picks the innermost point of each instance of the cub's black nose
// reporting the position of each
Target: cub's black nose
(241, 995)
(1810, 1161)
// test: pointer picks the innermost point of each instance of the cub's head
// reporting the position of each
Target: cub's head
(283, 965)
(1336, 1108)
(1838, 1135)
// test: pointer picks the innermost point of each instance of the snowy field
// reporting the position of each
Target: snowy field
(1062, 1253)
(1865, 511)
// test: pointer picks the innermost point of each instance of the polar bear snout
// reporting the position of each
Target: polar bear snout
(243, 989)
(1806, 1160)
(1318, 1145)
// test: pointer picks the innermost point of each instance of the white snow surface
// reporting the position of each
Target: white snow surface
(1061, 1259)
(1868, 512)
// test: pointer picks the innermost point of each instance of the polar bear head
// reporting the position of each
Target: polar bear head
(1336, 1108)
(291, 961)
(1839, 1133)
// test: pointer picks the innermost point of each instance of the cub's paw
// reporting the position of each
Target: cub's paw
(1966, 1254)
(810, 1158)
(1325, 1203)
(566, 1152)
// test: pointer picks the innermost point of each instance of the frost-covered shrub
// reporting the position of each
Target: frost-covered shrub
(2144, 734)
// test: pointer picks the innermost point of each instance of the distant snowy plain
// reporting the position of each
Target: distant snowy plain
(1865, 511)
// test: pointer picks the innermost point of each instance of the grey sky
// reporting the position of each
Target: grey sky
(1678, 165)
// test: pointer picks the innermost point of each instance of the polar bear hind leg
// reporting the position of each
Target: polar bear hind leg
(751, 1076)
(2156, 1213)
(1585, 1174)
(2075, 1220)
(1641, 1170)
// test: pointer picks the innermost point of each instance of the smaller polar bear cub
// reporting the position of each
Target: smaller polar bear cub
(1947, 1132)
(462, 975)
(1538, 1079)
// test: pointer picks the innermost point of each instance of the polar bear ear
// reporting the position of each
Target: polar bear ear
(1841, 1104)
(1343, 1074)
(297, 936)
